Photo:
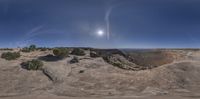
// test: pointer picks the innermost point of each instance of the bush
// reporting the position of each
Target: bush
(74, 60)
(29, 49)
(42, 49)
(61, 52)
(32, 47)
(25, 49)
(10, 55)
(78, 51)
(32, 65)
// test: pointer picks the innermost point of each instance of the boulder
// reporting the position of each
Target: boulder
(56, 72)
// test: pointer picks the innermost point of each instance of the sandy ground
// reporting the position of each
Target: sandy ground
(99, 80)
(127, 97)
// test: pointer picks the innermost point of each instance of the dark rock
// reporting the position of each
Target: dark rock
(74, 60)
(81, 71)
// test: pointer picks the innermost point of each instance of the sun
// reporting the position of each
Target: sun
(100, 33)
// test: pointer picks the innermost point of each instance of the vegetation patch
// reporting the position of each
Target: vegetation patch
(32, 47)
(29, 49)
(61, 52)
(32, 65)
(6, 49)
(10, 55)
(78, 51)
(42, 49)
(25, 49)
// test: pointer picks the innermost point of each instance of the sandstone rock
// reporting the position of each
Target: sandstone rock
(56, 72)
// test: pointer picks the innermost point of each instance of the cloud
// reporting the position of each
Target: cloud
(34, 31)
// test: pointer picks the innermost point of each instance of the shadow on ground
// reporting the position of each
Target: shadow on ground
(49, 58)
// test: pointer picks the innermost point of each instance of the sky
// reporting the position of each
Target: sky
(100, 23)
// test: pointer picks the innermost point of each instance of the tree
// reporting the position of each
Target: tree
(32, 47)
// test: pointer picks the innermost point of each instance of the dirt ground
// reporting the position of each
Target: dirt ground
(63, 97)
(93, 78)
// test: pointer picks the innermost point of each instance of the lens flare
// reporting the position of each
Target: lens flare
(100, 33)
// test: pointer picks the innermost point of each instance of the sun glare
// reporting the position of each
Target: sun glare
(100, 32)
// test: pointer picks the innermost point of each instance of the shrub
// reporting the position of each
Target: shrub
(32, 65)
(61, 52)
(42, 49)
(78, 51)
(10, 55)
(29, 49)
(74, 60)
(32, 47)
(25, 49)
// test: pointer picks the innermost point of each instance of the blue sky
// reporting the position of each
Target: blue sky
(132, 23)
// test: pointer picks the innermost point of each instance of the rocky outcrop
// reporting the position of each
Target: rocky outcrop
(121, 62)
(95, 77)
(56, 71)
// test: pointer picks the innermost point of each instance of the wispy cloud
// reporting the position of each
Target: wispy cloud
(27, 39)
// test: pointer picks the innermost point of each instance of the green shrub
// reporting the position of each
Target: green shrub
(10, 55)
(32, 47)
(29, 49)
(61, 52)
(32, 65)
(78, 51)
